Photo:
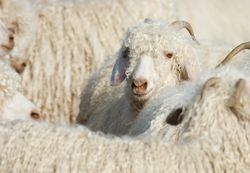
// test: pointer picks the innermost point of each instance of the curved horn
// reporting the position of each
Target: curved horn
(179, 24)
(240, 87)
(209, 83)
(234, 52)
(236, 106)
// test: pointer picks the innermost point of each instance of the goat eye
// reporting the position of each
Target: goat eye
(126, 53)
(168, 55)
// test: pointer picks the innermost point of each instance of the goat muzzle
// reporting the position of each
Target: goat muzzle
(139, 86)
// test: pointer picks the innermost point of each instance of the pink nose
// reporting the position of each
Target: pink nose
(19, 64)
(139, 86)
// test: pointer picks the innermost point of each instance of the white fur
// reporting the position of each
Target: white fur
(72, 39)
(143, 55)
(13, 105)
(152, 119)
(18, 107)
(21, 13)
(4, 39)
(214, 139)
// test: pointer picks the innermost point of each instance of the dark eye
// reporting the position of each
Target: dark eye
(168, 55)
(126, 53)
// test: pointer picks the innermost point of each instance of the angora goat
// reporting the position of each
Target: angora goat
(215, 139)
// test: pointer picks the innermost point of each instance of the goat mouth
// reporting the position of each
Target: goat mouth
(143, 95)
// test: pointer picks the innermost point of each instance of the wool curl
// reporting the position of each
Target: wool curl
(212, 141)
(154, 37)
(10, 83)
(113, 109)
(72, 40)
(10, 80)
(22, 15)
(152, 120)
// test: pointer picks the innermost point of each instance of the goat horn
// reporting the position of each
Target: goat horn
(234, 52)
(240, 87)
(209, 83)
(179, 24)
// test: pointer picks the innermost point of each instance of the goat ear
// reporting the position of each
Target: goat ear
(190, 72)
(118, 72)
(191, 65)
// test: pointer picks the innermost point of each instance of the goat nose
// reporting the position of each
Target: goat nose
(140, 83)
(34, 114)
(11, 42)
(11, 37)
(19, 64)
